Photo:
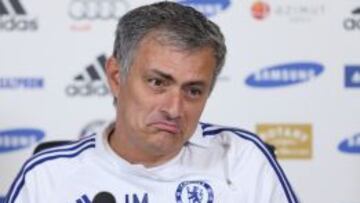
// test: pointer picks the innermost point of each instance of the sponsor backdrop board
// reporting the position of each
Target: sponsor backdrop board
(292, 76)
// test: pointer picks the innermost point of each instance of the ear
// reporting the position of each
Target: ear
(112, 69)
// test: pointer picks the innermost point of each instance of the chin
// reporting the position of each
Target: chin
(167, 142)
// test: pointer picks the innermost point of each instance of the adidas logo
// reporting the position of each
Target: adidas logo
(352, 23)
(15, 5)
(356, 11)
(92, 82)
(13, 17)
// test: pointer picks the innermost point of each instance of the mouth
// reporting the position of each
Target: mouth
(169, 127)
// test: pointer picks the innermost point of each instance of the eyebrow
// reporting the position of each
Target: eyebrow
(171, 78)
(163, 75)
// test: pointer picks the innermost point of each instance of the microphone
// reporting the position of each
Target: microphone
(104, 197)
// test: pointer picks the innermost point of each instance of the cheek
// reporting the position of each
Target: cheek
(131, 104)
(141, 107)
(193, 113)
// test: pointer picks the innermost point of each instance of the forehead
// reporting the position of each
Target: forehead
(182, 64)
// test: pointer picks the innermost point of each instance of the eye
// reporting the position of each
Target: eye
(155, 82)
(195, 92)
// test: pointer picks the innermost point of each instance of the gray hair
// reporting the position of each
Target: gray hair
(180, 26)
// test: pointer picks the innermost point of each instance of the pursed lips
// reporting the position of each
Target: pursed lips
(167, 126)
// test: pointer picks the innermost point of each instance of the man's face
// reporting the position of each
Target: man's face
(162, 97)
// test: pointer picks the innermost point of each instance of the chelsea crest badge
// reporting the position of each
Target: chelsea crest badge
(194, 192)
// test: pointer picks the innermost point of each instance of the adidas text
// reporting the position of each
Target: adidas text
(15, 23)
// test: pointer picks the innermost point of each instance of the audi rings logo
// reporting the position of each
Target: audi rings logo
(97, 9)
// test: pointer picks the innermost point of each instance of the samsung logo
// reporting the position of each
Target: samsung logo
(352, 76)
(285, 75)
(207, 7)
(21, 83)
(350, 145)
(16, 139)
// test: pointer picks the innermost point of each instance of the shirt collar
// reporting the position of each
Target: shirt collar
(198, 138)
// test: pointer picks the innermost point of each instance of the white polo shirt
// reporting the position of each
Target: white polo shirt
(217, 165)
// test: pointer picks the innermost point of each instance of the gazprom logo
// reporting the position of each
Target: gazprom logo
(285, 75)
(16, 139)
(21, 82)
(208, 7)
(350, 145)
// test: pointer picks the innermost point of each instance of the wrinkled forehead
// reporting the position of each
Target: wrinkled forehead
(182, 65)
(175, 41)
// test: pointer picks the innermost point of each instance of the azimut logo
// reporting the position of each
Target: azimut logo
(350, 145)
(292, 141)
(16, 139)
(298, 12)
(13, 17)
(91, 82)
(352, 23)
(285, 75)
(21, 83)
(260, 10)
(97, 9)
(293, 11)
(352, 76)
(208, 7)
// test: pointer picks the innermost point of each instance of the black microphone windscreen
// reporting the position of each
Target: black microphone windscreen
(104, 197)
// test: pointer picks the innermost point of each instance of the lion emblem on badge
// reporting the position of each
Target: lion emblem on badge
(194, 192)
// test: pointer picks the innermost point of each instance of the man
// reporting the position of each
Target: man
(165, 63)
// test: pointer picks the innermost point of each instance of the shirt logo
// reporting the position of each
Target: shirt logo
(194, 192)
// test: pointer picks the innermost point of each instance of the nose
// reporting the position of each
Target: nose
(173, 105)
